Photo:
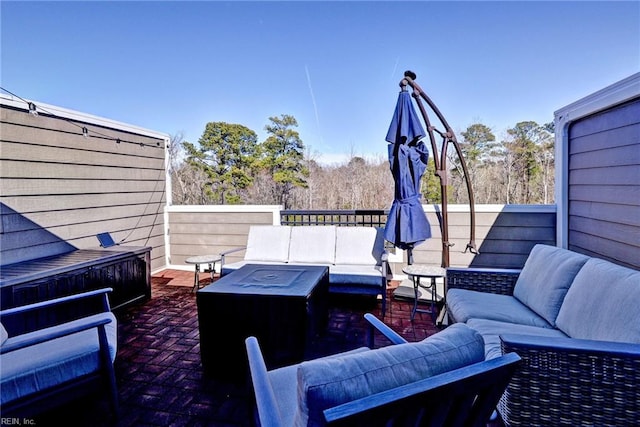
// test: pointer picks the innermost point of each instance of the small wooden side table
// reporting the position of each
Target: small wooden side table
(417, 272)
(211, 260)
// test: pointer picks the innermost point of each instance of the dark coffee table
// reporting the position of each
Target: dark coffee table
(284, 306)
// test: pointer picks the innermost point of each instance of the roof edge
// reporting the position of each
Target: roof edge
(65, 113)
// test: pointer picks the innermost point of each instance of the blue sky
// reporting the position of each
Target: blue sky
(335, 66)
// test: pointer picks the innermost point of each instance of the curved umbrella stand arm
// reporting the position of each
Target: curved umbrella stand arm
(440, 163)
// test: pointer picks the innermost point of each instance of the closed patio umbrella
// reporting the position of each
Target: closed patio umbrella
(405, 134)
(407, 224)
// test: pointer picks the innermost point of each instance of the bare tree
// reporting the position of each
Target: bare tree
(518, 169)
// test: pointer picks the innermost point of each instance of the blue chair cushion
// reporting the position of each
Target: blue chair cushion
(326, 383)
(284, 381)
(51, 363)
(463, 304)
(545, 279)
(603, 304)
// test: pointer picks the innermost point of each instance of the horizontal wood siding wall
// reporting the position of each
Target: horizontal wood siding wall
(59, 188)
(504, 234)
(206, 231)
(604, 184)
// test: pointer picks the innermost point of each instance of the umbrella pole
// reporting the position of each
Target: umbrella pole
(445, 222)
(440, 164)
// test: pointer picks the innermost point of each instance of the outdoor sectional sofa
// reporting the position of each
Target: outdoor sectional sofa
(575, 322)
(356, 256)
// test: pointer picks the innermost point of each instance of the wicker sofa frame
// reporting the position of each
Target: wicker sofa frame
(561, 381)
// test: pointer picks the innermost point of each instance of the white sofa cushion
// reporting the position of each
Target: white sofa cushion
(268, 243)
(36, 368)
(359, 245)
(325, 383)
(227, 268)
(314, 244)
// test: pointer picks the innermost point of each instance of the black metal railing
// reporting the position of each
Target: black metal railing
(344, 218)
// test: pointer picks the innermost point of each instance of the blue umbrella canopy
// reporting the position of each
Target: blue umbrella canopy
(407, 224)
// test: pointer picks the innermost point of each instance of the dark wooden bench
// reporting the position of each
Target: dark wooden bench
(125, 269)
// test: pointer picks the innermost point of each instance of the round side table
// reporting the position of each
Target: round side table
(417, 272)
(211, 260)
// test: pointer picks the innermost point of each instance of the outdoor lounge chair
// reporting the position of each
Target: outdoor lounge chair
(440, 381)
(61, 359)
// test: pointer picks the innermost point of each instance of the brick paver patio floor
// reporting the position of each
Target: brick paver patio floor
(158, 368)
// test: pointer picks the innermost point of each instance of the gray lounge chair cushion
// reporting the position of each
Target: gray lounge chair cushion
(36, 368)
(463, 304)
(603, 304)
(268, 243)
(491, 331)
(284, 381)
(545, 279)
(329, 382)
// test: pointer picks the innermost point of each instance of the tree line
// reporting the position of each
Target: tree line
(228, 165)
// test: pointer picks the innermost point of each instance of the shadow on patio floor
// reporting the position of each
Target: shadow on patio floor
(158, 367)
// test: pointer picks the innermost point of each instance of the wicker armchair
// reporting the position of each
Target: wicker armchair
(561, 381)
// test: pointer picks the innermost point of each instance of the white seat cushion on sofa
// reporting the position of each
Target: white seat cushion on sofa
(545, 279)
(326, 383)
(359, 245)
(315, 244)
(603, 304)
(227, 268)
(36, 368)
(268, 243)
